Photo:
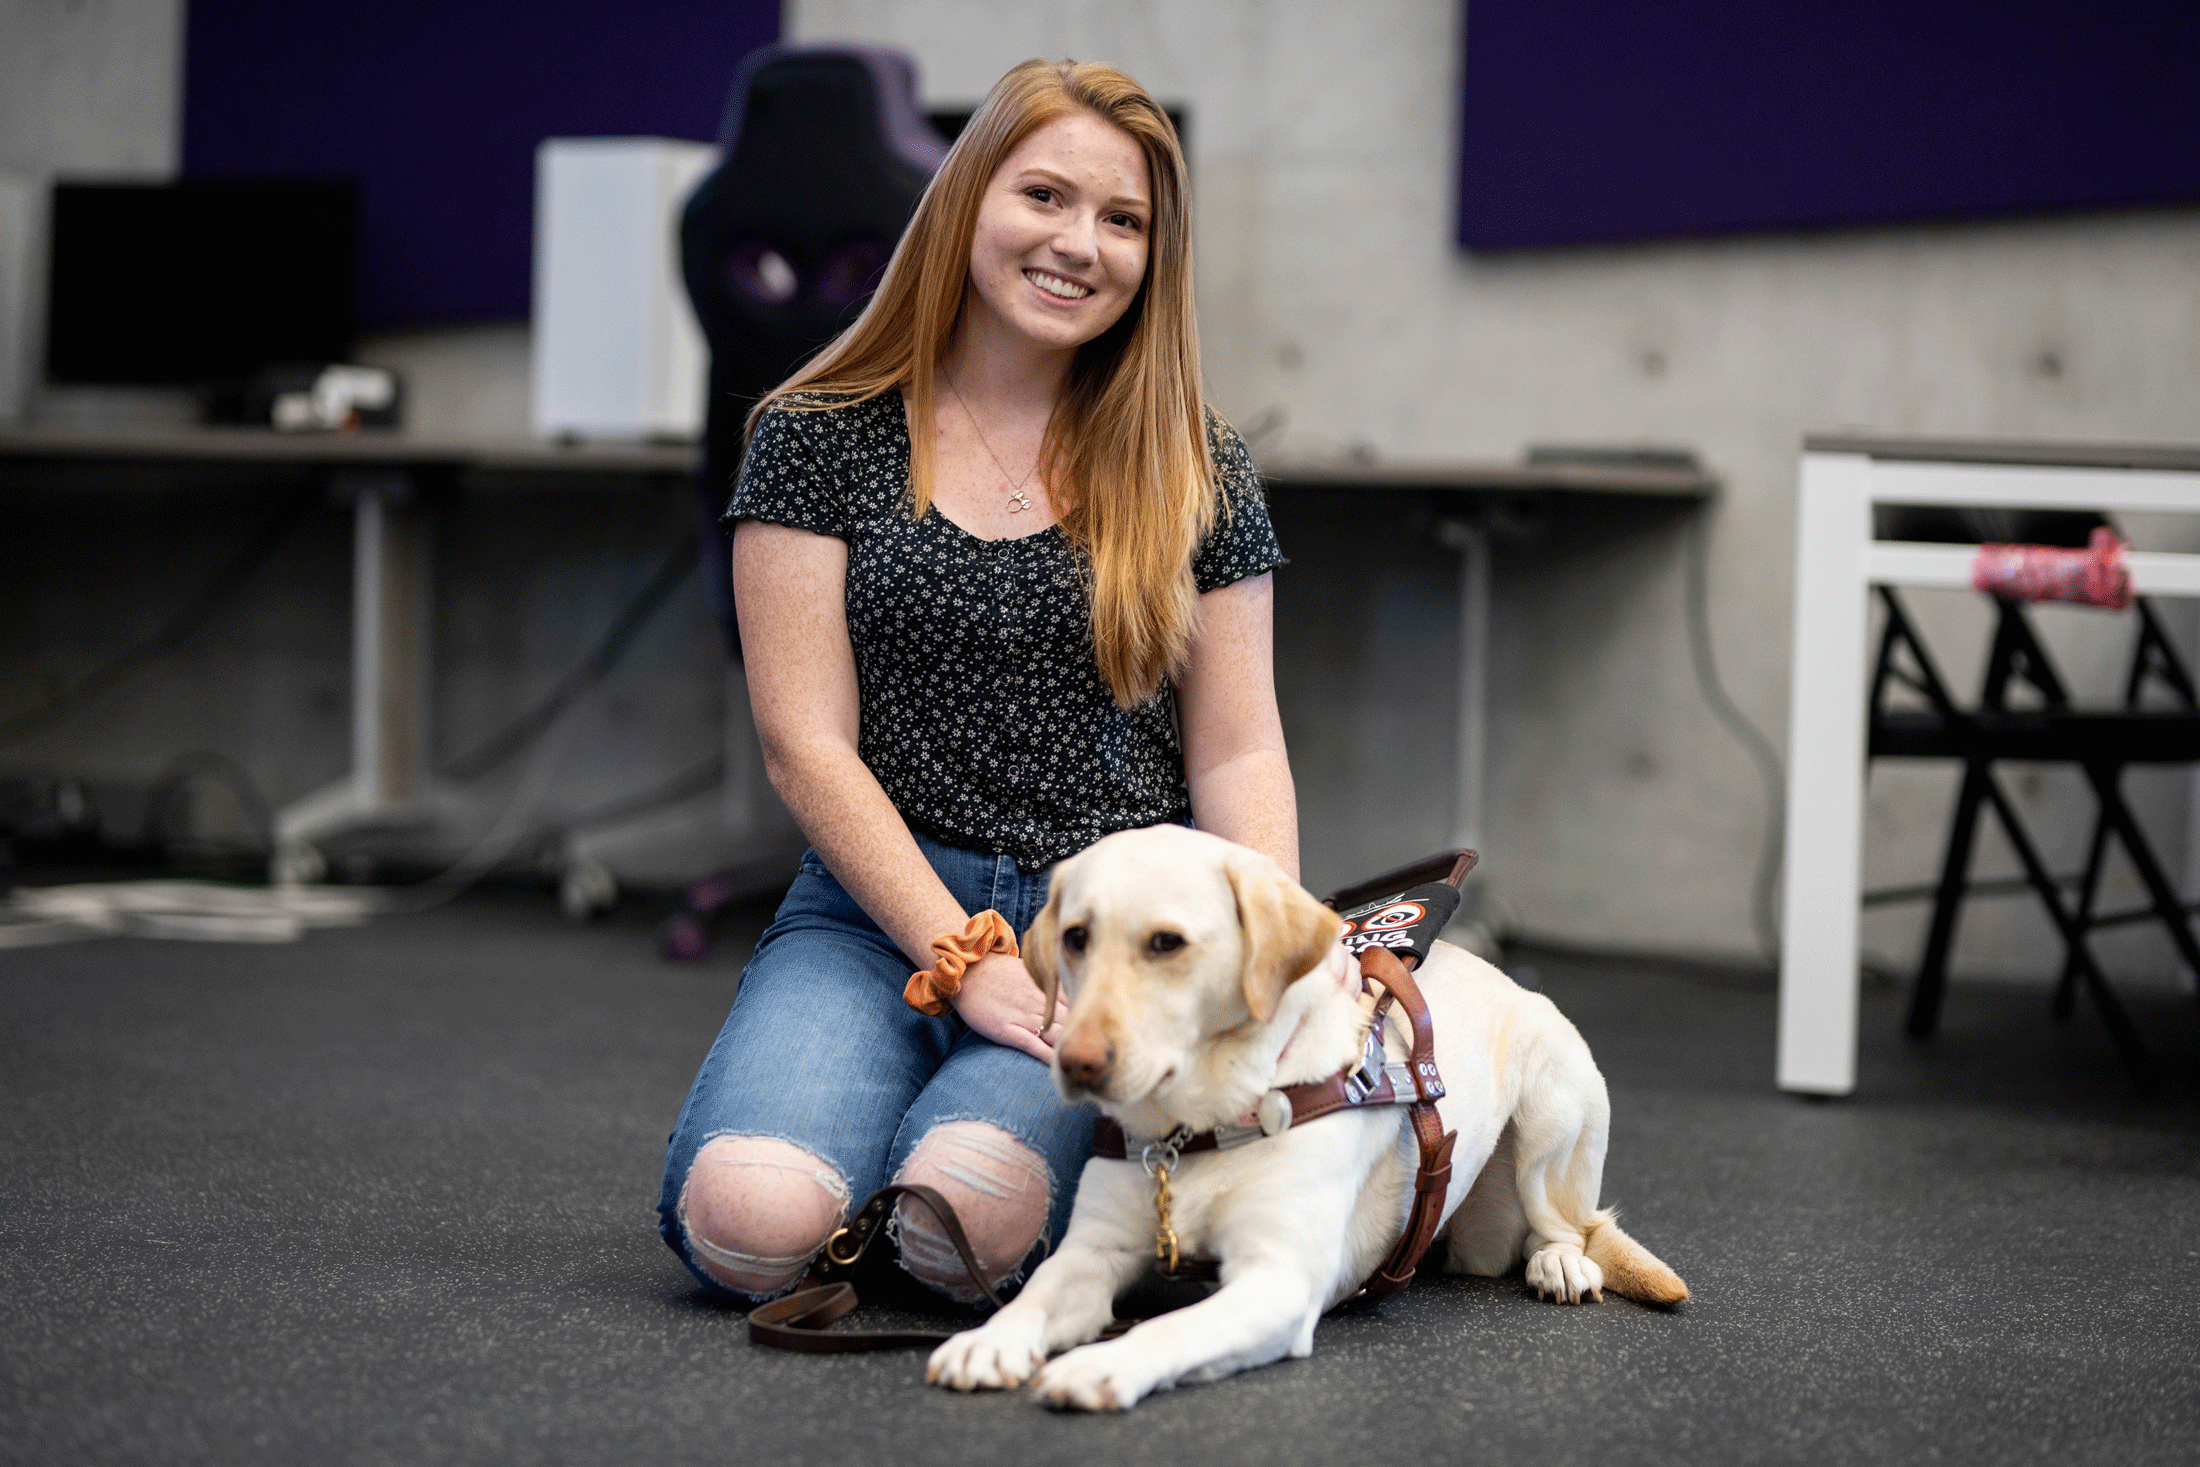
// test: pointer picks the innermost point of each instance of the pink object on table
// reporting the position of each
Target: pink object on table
(2094, 576)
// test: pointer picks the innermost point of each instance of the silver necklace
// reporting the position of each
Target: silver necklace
(1019, 501)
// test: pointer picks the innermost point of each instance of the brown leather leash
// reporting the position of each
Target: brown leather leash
(800, 1320)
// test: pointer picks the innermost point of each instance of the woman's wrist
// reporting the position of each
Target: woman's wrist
(931, 990)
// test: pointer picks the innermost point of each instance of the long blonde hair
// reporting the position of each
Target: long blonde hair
(1125, 454)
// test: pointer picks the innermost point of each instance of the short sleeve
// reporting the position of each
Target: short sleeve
(1243, 542)
(787, 477)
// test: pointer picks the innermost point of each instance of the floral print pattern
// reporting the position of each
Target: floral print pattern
(984, 714)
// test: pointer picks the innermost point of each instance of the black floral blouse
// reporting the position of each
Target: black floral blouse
(984, 714)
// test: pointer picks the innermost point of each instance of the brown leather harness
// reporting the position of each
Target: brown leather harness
(1375, 1080)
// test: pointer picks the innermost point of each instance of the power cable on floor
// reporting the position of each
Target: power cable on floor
(509, 831)
(172, 634)
(685, 785)
(515, 830)
(500, 747)
(1753, 742)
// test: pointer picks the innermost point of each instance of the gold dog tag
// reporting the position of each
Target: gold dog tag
(1164, 1233)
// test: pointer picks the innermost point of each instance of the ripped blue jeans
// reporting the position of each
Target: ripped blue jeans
(820, 1051)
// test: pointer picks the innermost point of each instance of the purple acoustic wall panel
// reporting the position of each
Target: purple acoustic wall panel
(435, 109)
(1585, 120)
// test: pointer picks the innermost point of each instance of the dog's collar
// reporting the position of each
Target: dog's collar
(1373, 1079)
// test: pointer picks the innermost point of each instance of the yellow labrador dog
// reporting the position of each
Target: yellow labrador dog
(1201, 978)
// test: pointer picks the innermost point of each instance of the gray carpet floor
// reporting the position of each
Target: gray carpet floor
(385, 1195)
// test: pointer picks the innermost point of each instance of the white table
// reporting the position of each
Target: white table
(1836, 562)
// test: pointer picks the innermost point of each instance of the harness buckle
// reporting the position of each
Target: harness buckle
(1374, 1062)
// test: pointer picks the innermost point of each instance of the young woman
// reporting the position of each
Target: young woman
(1003, 590)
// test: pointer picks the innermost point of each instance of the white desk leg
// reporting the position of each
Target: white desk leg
(1825, 804)
(389, 643)
(388, 675)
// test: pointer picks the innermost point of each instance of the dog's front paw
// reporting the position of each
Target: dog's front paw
(1105, 1377)
(997, 1356)
(1565, 1275)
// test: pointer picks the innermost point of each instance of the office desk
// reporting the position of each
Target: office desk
(381, 475)
(1836, 562)
(370, 449)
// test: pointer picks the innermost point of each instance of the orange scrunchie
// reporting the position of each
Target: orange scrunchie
(984, 935)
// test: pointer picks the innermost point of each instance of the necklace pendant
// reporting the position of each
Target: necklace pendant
(1019, 501)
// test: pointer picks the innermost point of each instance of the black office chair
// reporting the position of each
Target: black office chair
(2100, 741)
(824, 153)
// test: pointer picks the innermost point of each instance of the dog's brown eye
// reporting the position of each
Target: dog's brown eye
(1164, 942)
(1074, 938)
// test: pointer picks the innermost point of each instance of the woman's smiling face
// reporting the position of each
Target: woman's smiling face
(1059, 253)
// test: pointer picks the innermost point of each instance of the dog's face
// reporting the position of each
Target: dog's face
(1164, 938)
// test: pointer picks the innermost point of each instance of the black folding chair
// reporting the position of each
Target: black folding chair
(2102, 742)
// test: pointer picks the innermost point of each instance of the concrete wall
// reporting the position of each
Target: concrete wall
(1333, 306)
(90, 89)
(1623, 814)
(90, 86)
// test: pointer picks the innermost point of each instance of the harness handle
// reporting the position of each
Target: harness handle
(1404, 910)
(1449, 867)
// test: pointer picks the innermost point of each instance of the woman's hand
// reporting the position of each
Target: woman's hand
(1001, 1000)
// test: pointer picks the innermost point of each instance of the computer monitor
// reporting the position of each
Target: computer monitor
(198, 282)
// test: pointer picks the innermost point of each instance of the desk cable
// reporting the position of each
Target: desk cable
(233, 577)
(1759, 748)
(498, 749)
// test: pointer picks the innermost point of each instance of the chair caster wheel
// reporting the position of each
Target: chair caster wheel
(586, 887)
(685, 940)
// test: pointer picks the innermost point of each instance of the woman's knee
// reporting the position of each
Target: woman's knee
(755, 1211)
(1001, 1194)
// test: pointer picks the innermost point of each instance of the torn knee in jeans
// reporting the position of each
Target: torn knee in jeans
(755, 1211)
(1000, 1192)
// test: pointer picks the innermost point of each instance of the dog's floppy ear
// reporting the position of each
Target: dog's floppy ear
(1042, 951)
(1286, 930)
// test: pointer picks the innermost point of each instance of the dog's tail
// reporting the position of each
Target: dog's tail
(1629, 1268)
